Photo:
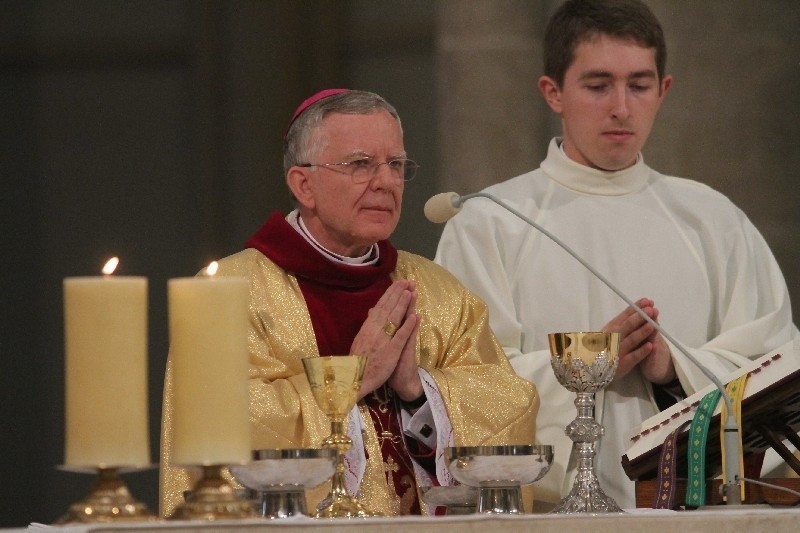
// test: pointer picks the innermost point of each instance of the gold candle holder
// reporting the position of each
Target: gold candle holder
(109, 500)
(213, 498)
(335, 381)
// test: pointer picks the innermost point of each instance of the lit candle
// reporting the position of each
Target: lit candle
(208, 324)
(105, 333)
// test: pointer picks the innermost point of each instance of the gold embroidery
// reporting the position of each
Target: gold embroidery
(388, 468)
(383, 395)
(403, 498)
(383, 401)
(391, 466)
(409, 495)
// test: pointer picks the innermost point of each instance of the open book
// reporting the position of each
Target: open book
(770, 414)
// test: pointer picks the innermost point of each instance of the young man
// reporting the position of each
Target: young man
(325, 280)
(698, 265)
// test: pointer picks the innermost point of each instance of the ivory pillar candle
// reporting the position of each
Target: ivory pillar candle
(208, 323)
(105, 330)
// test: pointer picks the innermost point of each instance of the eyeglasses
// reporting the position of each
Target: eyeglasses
(364, 169)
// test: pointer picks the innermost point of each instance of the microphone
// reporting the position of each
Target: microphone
(444, 206)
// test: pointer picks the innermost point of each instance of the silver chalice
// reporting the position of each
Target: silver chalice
(584, 363)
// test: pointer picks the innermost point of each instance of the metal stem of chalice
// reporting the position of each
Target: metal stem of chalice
(108, 501)
(584, 363)
(335, 382)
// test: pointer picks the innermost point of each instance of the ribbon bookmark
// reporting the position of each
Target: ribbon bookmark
(735, 390)
(698, 437)
(667, 472)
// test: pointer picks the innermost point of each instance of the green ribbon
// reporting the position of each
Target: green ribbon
(698, 436)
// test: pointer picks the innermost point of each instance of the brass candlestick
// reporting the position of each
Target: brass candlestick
(335, 382)
(213, 498)
(108, 501)
(585, 362)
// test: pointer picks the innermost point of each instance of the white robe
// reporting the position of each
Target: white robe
(711, 274)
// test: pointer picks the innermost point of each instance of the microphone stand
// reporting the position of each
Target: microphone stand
(733, 475)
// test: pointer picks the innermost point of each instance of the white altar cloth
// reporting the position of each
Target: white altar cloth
(744, 519)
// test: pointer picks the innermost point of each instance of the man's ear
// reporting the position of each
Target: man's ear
(297, 179)
(551, 92)
(666, 83)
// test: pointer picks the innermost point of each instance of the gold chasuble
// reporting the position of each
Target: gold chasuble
(485, 401)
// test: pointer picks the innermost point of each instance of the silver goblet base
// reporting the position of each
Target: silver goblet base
(586, 495)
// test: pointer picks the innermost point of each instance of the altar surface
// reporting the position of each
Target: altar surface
(745, 519)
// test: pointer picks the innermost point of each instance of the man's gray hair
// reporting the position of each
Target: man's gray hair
(298, 144)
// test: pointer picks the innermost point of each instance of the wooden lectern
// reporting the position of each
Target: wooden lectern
(770, 416)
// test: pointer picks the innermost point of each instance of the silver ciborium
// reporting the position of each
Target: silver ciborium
(498, 473)
(280, 477)
(584, 363)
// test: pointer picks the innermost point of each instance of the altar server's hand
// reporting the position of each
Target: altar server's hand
(640, 344)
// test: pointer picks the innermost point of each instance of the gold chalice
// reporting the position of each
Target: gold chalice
(335, 381)
(584, 363)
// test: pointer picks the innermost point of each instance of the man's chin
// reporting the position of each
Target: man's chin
(381, 234)
(615, 164)
(378, 221)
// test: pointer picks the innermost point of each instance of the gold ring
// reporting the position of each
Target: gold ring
(389, 328)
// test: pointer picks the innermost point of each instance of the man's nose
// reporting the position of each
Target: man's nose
(383, 174)
(619, 104)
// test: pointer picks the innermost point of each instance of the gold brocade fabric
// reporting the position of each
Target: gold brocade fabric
(487, 403)
(400, 486)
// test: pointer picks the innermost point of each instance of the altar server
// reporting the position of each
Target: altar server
(695, 262)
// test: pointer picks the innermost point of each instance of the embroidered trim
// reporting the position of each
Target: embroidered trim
(698, 438)
(667, 472)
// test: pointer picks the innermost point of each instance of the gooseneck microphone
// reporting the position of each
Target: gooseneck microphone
(444, 206)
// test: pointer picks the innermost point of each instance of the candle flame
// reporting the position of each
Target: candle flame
(211, 269)
(110, 266)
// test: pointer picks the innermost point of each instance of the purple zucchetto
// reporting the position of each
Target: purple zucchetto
(311, 100)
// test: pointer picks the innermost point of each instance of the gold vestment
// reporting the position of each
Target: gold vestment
(487, 403)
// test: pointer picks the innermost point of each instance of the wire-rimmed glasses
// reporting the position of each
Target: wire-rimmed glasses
(364, 169)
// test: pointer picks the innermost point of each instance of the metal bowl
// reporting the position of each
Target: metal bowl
(280, 477)
(517, 464)
(498, 472)
(457, 499)
(276, 469)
